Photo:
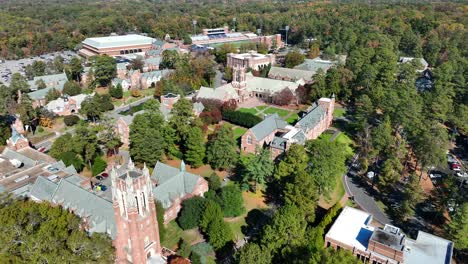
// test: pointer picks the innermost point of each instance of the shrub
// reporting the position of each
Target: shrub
(40, 129)
(135, 93)
(71, 120)
(191, 213)
(71, 88)
(117, 91)
(247, 120)
(99, 165)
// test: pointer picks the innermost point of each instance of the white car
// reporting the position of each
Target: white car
(435, 176)
(462, 174)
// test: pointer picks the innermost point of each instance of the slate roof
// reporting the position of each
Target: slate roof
(312, 118)
(293, 74)
(222, 93)
(153, 61)
(315, 64)
(259, 84)
(85, 204)
(172, 183)
(43, 189)
(41, 94)
(268, 126)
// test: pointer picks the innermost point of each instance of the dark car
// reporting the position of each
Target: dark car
(105, 174)
(99, 178)
(103, 188)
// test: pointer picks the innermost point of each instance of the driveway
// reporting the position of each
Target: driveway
(364, 200)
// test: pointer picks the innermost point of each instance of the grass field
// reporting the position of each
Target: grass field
(262, 107)
(326, 136)
(346, 140)
(292, 118)
(280, 112)
(238, 132)
(236, 227)
(252, 111)
(339, 112)
(174, 233)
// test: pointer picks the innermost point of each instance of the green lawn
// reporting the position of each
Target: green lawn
(326, 136)
(339, 112)
(252, 111)
(280, 112)
(292, 118)
(239, 131)
(174, 233)
(346, 140)
(262, 107)
(236, 227)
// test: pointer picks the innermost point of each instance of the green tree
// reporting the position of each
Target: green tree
(109, 136)
(221, 151)
(231, 201)
(222, 51)
(413, 194)
(331, 256)
(85, 144)
(99, 165)
(105, 69)
(148, 141)
(214, 183)
(74, 69)
(90, 108)
(18, 83)
(257, 168)
(52, 94)
(61, 145)
(38, 68)
(137, 64)
(71, 158)
(458, 227)
(302, 192)
(195, 147)
(169, 59)
(25, 110)
(295, 161)
(212, 213)
(71, 88)
(181, 118)
(116, 91)
(192, 212)
(58, 64)
(219, 234)
(40, 84)
(293, 58)
(160, 216)
(253, 253)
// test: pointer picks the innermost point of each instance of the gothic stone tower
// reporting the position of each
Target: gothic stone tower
(239, 81)
(135, 216)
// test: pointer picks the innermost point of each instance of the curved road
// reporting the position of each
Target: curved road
(364, 200)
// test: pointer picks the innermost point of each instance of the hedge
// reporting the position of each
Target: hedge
(247, 120)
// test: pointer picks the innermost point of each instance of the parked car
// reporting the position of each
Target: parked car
(99, 177)
(451, 159)
(462, 174)
(455, 167)
(435, 176)
(41, 149)
(105, 174)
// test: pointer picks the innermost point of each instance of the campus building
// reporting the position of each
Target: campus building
(116, 45)
(277, 135)
(217, 36)
(252, 60)
(353, 231)
(66, 105)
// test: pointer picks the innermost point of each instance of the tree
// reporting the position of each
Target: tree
(257, 168)
(169, 59)
(25, 110)
(85, 144)
(212, 213)
(58, 64)
(222, 51)
(314, 51)
(38, 68)
(74, 69)
(109, 136)
(18, 83)
(195, 147)
(137, 64)
(116, 91)
(326, 163)
(71, 120)
(253, 253)
(284, 97)
(221, 152)
(184, 248)
(105, 69)
(413, 194)
(40, 84)
(148, 141)
(214, 183)
(192, 212)
(331, 256)
(302, 192)
(293, 58)
(160, 218)
(71, 88)
(61, 145)
(181, 118)
(52, 94)
(231, 201)
(38, 232)
(90, 108)
(219, 234)
(286, 231)
(295, 161)
(71, 158)
(458, 227)
(99, 165)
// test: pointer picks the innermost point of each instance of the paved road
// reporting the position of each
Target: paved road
(364, 200)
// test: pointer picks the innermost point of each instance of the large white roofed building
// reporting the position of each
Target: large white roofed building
(116, 45)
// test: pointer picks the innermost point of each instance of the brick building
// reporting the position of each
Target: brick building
(277, 135)
(353, 231)
(251, 60)
(137, 238)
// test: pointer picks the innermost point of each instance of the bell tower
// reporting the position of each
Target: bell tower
(239, 81)
(135, 216)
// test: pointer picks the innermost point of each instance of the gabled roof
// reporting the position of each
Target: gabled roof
(268, 126)
(172, 183)
(153, 61)
(43, 189)
(311, 119)
(259, 84)
(224, 92)
(41, 94)
(293, 74)
(315, 64)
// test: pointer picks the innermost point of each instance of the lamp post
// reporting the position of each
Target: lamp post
(194, 23)
(287, 29)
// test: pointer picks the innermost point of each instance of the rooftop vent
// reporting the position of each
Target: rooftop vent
(392, 229)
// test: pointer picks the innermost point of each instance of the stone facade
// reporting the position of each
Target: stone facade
(135, 216)
(251, 60)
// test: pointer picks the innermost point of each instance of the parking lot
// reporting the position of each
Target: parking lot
(9, 67)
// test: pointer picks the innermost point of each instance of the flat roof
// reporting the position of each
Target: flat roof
(117, 41)
(352, 228)
(428, 249)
